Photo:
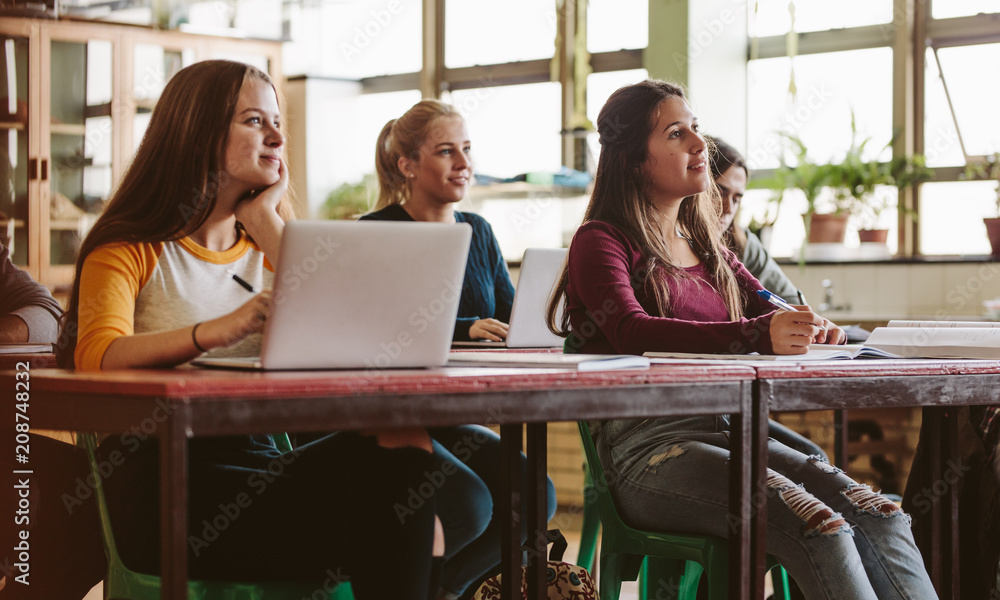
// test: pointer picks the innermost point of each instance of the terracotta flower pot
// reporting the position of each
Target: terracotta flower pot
(993, 230)
(873, 235)
(826, 228)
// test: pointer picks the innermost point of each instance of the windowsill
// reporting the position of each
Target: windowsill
(902, 260)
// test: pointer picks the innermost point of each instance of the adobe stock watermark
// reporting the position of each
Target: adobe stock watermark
(132, 441)
(420, 320)
(418, 497)
(966, 291)
(924, 499)
(790, 123)
(229, 512)
(710, 32)
(366, 33)
(531, 212)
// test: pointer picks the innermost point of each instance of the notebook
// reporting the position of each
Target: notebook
(362, 295)
(540, 269)
(25, 348)
(816, 352)
(580, 362)
(939, 339)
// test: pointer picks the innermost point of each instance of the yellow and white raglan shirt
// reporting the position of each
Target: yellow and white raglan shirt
(128, 288)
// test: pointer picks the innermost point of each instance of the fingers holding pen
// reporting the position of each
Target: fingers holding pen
(237, 325)
(793, 331)
(829, 332)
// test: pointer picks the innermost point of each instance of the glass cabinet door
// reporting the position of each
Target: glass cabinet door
(14, 147)
(81, 139)
(154, 67)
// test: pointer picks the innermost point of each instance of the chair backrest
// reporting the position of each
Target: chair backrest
(88, 441)
(594, 473)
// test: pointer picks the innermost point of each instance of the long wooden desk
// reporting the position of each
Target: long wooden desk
(37, 360)
(937, 385)
(176, 405)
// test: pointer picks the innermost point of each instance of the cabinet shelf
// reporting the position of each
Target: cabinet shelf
(67, 129)
(85, 68)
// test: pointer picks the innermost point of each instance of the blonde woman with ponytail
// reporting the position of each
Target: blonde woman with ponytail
(424, 165)
(647, 271)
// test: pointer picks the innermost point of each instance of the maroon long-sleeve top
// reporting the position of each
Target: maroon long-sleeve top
(612, 316)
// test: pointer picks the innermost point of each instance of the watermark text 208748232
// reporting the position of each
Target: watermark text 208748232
(22, 476)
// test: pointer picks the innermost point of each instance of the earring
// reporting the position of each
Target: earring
(410, 175)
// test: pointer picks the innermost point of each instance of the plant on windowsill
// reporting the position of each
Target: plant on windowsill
(860, 185)
(350, 200)
(989, 169)
(811, 178)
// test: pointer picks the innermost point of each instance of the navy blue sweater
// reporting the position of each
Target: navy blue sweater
(487, 292)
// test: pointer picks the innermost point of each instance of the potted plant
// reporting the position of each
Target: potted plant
(989, 169)
(811, 178)
(350, 200)
(857, 184)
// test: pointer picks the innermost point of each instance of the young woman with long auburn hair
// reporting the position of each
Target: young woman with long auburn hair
(647, 271)
(207, 195)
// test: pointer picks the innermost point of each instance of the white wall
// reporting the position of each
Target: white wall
(939, 291)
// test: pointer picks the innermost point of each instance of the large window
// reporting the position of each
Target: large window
(829, 88)
(943, 9)
(616, 24)
(973, 98)
(774, 17)
(846, 63)
(356, 39)
(485, 33)
(514, 129)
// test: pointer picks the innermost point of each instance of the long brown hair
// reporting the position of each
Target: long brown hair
(403, 137)
(620, 198)
(172, 185)
(723, 157)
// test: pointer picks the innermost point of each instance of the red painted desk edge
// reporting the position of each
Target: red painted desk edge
(194, 383)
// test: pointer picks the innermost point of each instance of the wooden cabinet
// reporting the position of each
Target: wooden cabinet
(75, 99)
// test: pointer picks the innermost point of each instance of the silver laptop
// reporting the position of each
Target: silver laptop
(540, 270)
(362, 295)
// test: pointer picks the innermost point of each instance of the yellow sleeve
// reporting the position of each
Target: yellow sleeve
(110, 281)
(267, 263)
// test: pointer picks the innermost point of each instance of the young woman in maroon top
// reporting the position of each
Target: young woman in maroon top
(646, 272)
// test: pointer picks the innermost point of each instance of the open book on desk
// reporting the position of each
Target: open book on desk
(816, 352)
(548, 360)
(25, 348)
(939, 339)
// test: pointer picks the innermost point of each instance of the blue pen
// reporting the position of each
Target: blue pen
(779, 302)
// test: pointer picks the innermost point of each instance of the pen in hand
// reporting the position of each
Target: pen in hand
(242, 281)
(780, 303)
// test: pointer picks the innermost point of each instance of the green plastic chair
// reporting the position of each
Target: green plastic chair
(122, 583)
(628, 554)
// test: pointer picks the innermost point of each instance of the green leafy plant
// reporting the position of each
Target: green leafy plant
(350, 200)
(806, 175)
(855, 180)
(988, 168)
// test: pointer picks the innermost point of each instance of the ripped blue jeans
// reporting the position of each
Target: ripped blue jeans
(836, 538)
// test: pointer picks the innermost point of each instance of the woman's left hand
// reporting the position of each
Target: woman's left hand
(260, 208)
(259, 215)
